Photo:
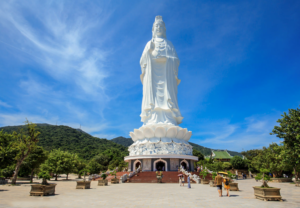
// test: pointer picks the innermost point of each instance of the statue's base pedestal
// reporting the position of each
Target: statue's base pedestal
(161, 162)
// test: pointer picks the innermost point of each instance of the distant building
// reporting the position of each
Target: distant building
(220, 155)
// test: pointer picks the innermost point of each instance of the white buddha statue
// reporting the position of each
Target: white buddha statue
(159, 64)
(160, 133)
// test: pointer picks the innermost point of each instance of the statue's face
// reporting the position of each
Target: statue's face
(159, 29)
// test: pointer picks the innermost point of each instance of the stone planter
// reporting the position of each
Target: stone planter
(102, 182)
(297, 183)
(267, 194)
(159, 179)
(233, 187)
(114, 181)
(42, 190)
(204, 181)
(281, 180)
(212, 183)
(83, 185)
(23, 179)
(3, 181)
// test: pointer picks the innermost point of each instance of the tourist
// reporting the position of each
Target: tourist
(182, 180)
(236, 175)
(198, 169)
(226, 185)
(218, 181)
(189, 182)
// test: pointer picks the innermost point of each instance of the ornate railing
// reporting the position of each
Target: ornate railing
(193, 177)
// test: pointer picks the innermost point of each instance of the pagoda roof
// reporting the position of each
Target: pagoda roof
(221, 154)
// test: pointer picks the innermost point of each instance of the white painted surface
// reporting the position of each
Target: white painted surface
(188, 157)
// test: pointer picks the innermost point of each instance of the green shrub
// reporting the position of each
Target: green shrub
(237, 162)
(45, 176)
(214, 174)
(203, 173)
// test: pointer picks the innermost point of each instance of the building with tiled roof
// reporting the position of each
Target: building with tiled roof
(220, 155)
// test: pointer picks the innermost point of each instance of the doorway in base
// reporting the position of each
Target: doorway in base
(184, 165)
(160, 166)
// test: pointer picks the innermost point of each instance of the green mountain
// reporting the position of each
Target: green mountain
(71, 140)
(82, 143)
(123, 141)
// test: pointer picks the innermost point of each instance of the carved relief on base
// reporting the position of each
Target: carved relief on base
(174, 164)
(160, 148)
(147, 164)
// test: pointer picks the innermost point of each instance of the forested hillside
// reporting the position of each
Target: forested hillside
(85, 145)
(71, 140)
(123, 141)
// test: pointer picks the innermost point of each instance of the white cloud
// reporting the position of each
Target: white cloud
(19, 119)
(253, 132)
(4, 104)
(57, 41)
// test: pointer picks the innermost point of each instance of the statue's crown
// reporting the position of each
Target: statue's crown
(158, 19)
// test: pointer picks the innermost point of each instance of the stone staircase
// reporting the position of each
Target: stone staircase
(109, 177)
(150, 177)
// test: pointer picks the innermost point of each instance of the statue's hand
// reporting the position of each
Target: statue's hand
(154, 53)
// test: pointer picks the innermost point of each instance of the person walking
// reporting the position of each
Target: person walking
(182, 180)
(226, 185)
(218, 181)
(189, 182)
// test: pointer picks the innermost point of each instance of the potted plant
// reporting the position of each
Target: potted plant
(212, 182)
(103, 182)
(264, 192)
(204, 173)
(83, 184)
(114, 180)
(44, 188)
(233, 185)
(159, 176)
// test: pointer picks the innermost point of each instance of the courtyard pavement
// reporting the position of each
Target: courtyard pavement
(144, 195)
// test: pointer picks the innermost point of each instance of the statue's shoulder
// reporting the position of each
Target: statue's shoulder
(170, 43)
(148, 43)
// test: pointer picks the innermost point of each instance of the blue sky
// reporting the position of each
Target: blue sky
(77, 63)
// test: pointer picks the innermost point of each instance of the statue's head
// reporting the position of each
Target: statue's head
(159, 28)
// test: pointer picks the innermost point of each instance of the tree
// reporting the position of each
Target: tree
(35, 159)
(59, 162)
(250, 154)
(203, 173)
(237, 162)
(70, 160)
(275, 159)
(198, 154)
(44, 174)
(8, 171)
(226, 166)
(24, 142)
(263, 175)
(7, 150)
(80, 165)
(289, 131)
(94, 167)
(216, 166)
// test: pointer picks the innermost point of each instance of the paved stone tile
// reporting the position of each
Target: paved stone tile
(145, 195)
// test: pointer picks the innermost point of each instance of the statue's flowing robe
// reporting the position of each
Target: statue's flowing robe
(160, 87)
